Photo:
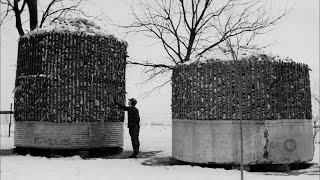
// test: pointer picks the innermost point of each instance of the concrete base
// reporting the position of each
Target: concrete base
(266, 142)
(48, 135)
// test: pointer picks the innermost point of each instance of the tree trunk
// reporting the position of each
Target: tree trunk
(33, 13)
(17, 14)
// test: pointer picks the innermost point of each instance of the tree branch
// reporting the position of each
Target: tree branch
(189, 30)
(46, 12)
(146, 64)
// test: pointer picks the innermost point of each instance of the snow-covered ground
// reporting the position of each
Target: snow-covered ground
(155, 145)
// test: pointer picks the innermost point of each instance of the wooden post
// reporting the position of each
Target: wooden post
(239, 76)
(10, 119)
(239, 80)
(241, 144)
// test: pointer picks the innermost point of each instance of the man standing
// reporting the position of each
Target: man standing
(133, 124)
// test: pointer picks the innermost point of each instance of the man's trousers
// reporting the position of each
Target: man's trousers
(134, 134)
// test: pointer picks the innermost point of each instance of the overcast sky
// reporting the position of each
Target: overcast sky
(297, 37)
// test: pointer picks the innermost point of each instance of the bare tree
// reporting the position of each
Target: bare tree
(52, 10)
(192, 30)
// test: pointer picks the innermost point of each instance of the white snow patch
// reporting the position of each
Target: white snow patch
(70, 25)
(225, 57)
(73, 25)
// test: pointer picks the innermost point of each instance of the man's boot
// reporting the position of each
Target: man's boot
(135, 152)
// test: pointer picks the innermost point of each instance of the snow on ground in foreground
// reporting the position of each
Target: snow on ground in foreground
(153, 138)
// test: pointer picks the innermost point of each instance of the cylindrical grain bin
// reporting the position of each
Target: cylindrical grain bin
(275, 105)
(67, 75)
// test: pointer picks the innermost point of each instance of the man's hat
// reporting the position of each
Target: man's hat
(133, 100)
